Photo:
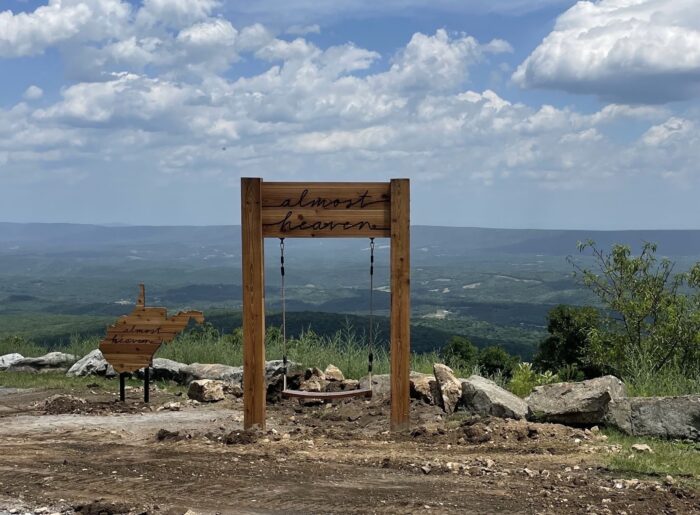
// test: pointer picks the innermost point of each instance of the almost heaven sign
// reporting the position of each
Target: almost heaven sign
(307, 210)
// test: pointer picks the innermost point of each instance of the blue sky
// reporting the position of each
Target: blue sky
(510, 113)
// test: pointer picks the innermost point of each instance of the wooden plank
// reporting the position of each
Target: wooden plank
(130, 348)
(254, 391)
(300, 394)
(278, 215)
(400, 304)
(326, 195)
(148, 327)
(317, 223)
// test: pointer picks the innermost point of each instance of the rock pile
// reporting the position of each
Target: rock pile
(331, 379)
(51, 362)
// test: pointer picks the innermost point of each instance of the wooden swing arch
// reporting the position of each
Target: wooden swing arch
(323, 210)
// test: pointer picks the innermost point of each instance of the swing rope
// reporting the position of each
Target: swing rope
(370, 355)
(284, 317)
(367, 392)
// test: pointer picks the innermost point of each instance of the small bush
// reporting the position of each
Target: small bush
(525, 379)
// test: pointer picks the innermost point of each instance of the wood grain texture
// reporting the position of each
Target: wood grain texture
(326, 210)
(345, 394)
(132, 341)
(253, 269)
(340, 196)
(400, 304)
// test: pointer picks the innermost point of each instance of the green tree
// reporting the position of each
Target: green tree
(567, 344)
(459, 352)
(652, 316)
(494, 358)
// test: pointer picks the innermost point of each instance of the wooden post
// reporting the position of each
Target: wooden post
(254, 390)
(146, 384)
(400, 304)
(122, 386)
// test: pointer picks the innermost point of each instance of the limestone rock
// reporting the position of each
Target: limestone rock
(424, 387)
(349, 384)
(51, 362)
(9, 359)
(214, 371)
(164, 369)
(92, 364)
(234, 389)
(333, 373)
(314, 372)
(663, 417)
(642, 447)
(313, 385)
(206, 390)
(579, 403)
(449, 386)
(381, 385)
(483, 397)
(341, 386)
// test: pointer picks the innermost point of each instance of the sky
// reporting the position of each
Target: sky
(503, 113)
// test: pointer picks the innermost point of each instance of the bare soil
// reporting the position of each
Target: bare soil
(92, 454)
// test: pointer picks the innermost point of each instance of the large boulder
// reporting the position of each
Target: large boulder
(424, 387)
(92, 364)
(581, 403)
(381, 385)
(7, 360)
(51, 362)
(664, 417)
(215, 371)
(206, 390)
(450, 387)
(481, 396)
(163, 369)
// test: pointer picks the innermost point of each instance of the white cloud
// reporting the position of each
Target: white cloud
(672, 130)
(33, 93)
(176, 116)
(128, 99)
(24, 34)
(624, 50)
(302, 30)
(175, 13)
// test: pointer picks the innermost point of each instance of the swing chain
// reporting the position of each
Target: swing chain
(370, 357)
(284, 315)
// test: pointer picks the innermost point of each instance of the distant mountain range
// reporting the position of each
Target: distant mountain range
(437, 240)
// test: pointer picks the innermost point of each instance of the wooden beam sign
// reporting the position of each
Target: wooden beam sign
(323, 210)
(132, 341)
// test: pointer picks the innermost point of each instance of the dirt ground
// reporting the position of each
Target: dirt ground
(94, 455)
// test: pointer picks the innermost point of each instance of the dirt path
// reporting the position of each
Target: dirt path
(334, 459)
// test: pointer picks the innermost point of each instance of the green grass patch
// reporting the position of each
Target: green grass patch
(668, 381)
(59, 381)
(681, 460)
(346, 349)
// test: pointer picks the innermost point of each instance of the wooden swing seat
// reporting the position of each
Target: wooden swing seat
(345, 394)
